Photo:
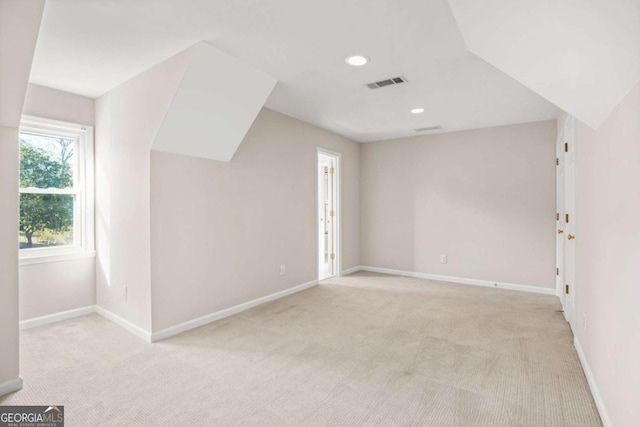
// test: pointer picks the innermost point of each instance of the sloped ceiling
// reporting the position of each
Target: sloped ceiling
(19, 26)
(90, 47)
(583, 56)
(215, 104)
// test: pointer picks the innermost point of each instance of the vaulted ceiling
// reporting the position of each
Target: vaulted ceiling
(462, 79)
(91, 46)
(584, 56)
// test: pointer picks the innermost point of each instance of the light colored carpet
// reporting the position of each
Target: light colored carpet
(365, 349)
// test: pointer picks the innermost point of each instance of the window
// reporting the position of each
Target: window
(56, 188)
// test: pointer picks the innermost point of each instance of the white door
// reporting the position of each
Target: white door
(560, 211)
(327, 215)
(566, 248)
(570, 221)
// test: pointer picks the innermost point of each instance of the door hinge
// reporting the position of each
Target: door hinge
(331, 213)
(332, 256)
(557, 216)
(566, 218)
(566, 289)
(557, 271)
(331, 170)
(557, 161)
(566, 147)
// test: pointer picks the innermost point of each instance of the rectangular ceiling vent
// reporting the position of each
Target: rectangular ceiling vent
(428, 128)
(387, 82)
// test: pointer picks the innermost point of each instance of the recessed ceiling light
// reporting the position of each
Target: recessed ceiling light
(357, 60)
(417, 110)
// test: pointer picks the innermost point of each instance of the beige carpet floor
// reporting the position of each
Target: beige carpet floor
(365, 349)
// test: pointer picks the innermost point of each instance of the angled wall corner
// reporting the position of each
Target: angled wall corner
(215, 104)
(127, 120)
(19, 28)
(582, 56)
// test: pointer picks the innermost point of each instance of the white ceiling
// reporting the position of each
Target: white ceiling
(214, 105)
(584, 56)
(91, 46)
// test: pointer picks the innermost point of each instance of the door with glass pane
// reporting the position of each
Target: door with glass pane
(327, 215)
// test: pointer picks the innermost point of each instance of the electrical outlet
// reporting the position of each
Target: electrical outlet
(282, 270)
(124, 292)
(443, 259)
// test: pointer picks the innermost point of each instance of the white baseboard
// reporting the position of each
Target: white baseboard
(462, 280)
(56, 317)
(124, 323)
(351, 270)
(83, 311)
(165, 333)
(11, 386)
(201, 321)
(604, 416)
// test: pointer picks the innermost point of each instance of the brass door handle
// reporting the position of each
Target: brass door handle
(571, 237)
(560, 231)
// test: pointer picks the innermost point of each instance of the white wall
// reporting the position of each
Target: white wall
(52, 287)
(127, 121)
(54, 104)
(220, 231)
(19, 27)
(485, 198)
(8, 254)
(608, 257)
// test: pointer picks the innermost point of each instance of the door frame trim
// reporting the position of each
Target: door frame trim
(560, 137)
(338, 209)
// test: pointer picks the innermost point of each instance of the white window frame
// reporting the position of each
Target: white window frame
(83, 221)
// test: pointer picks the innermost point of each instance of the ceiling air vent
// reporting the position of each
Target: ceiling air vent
(428, 128)
(387, 82)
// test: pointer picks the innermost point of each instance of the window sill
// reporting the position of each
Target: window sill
(69, 256)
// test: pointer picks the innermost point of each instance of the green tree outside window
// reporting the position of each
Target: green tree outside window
(45, 166)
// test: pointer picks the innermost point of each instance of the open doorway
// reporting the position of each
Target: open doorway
(328, 214)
